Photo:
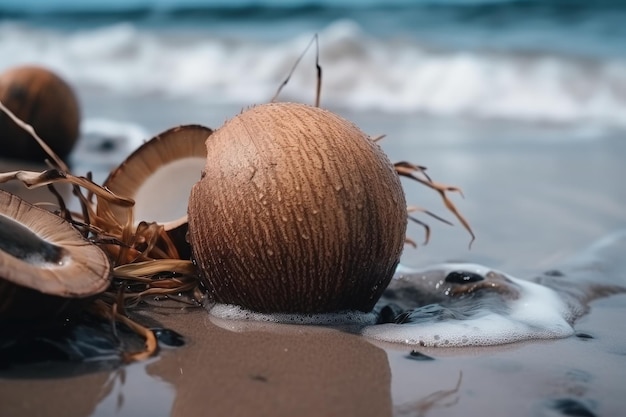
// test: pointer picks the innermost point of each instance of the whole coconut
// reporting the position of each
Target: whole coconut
(297, 211)
(42, 99)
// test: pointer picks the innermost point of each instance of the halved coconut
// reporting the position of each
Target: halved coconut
(159, 176)
(44, 261)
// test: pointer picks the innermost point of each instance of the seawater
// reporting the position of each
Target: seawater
(491, 308)
(533, 62)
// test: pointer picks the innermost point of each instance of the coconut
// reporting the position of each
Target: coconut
(46, 102)
(158, 176)
(45, 263)
(297, 211)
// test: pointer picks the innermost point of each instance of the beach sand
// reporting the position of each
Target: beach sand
(534, 197)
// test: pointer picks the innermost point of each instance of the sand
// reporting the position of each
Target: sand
(534, 196)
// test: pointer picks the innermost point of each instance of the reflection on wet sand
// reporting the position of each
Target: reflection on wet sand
(53, 396)
(302, 371)
(283, 371)
(52, 390)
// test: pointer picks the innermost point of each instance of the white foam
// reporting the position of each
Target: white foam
(233, 312)
(538, 313)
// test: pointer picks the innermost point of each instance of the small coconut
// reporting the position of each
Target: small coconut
(159, 176)
(297, 211)
(45, 101)
(45, 263)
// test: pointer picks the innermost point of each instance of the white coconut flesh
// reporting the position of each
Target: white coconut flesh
(40, 250)
(163, 195)
(159, 176)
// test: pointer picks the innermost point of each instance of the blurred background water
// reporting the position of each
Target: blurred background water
(547, 62)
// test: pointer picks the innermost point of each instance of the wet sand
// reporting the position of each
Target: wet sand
(297, 370)
(533, 202)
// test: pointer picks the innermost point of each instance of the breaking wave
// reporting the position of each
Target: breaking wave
(361, 72)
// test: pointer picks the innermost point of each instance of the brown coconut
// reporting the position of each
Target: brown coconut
(45, 101)
(297, 211)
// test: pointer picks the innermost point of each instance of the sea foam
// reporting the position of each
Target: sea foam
(234, 312)
(536, 313)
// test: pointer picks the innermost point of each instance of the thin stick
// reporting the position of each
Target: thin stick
(408, 170)
(62, 171)
(101, 309)
(317, 67)
(83, 203)
(412, 209)
(65, 213)
(404, 166)
(426, 230)
(33, 179)
(436, 399)
(31, 130)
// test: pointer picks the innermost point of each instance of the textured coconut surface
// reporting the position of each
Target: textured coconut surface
(533, 202)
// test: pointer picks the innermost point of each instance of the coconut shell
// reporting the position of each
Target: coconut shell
(179, 151)
(42, 99)
(297, 211)
(46, 265)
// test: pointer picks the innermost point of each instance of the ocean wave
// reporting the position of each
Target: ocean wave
(35, 7)
(360, 72)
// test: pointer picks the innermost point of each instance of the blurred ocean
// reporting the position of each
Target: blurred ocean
(555, 62)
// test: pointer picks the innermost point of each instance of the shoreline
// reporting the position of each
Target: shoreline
(312, 370)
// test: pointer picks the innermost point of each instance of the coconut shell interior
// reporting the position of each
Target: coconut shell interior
(43, 252)
(159, 176)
